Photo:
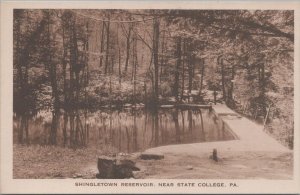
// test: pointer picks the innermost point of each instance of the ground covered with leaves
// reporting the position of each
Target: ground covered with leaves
(42, 162)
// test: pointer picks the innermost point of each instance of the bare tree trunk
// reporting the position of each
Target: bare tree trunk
(202, 76)
(128, 38)
(156, 128)
(110, 86)
(64, 63)
(191, 68)
(230, 94)
(145, 92)
(262, 86)
(107, 45)
(52, 66)
(223, 79)
(184, 60)
(86, 68)
(133, 57)
(65, 119)
(74, 71)
(162, 56)
(155, 57)
(102, 44)
(119, 56)
(18, 61)
(135, 67)
(178, 64)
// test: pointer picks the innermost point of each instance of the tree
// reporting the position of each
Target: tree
(155, 58)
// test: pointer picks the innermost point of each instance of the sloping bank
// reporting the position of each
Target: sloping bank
(253, 154)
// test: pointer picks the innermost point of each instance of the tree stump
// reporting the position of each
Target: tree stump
(111, 168)
(106, 167)
(125, 169)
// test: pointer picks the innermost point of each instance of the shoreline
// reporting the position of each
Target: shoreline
(254, 154)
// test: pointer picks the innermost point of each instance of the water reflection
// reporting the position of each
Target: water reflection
(126, 130)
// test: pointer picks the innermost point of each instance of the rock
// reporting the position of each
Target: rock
(106, 166)
(111, 168)
(125, 169)
(149, 156)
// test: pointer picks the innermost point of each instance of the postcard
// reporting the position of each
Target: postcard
(101, 97)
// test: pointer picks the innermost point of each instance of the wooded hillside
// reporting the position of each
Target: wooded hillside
(71, 59)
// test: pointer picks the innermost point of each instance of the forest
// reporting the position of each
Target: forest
(65, 60)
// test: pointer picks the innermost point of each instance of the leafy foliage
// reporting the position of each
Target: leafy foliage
(76, 58)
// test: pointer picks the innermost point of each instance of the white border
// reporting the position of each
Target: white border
(9, 185)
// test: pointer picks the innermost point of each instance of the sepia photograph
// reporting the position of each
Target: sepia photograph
(186, 94)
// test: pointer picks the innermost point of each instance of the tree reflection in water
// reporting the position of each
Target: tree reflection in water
(125, 130)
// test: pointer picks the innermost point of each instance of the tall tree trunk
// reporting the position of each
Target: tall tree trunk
(262, 79)
(54, 126)
(52, 66)
(65, 119)
(178, 64)
(102, 44)
(64, 63)
(119, 56)
(133, 57)
(18, 62)
(110, 87)
(135, 63)
(155, 57)
(162, 57)
(191, 76)
(202, 76)
(262, 86)
(156, 128)
(107, 45)
(86, 64)
(223, 79)
(184, 60)
(128, 38)
(230, 94)
(74, 73)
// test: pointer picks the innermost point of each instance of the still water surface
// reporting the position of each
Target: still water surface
(125, 130)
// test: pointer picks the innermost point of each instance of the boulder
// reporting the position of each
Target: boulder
(113, 168)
